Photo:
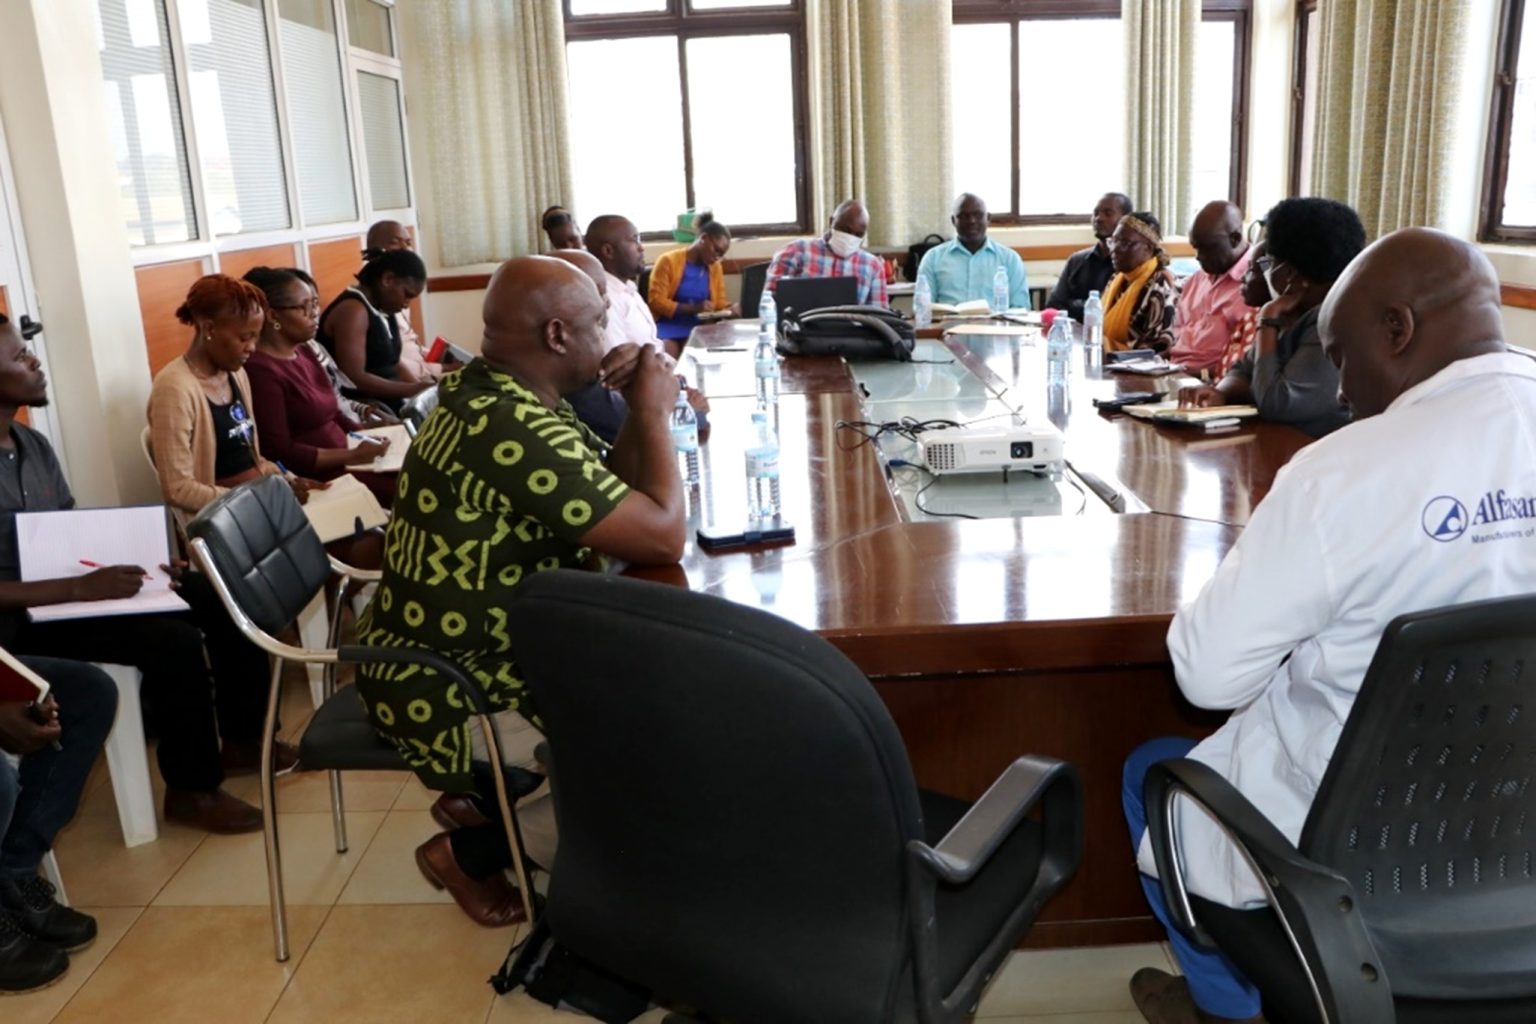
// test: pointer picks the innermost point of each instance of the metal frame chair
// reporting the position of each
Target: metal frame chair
(258, 549)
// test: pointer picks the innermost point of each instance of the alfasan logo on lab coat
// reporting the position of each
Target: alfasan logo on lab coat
(1445, 518)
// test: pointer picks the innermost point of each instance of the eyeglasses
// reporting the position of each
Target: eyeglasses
(312, 306)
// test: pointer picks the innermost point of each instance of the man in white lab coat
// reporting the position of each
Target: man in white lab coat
(1414, 505)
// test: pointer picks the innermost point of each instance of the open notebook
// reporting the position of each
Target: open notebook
(1169, 412)
(392, 460)
(345, 508)
(56, 545)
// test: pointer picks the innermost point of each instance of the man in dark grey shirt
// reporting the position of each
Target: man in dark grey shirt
(1090, 269)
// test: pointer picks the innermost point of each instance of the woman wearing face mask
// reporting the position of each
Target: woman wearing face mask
(688, 282)
(360, 331)
(301, 423)
(838, 253)
(1285, 373)
(1138, 305)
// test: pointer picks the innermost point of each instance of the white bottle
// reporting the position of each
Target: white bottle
(922, 302)
(765, 362)
(1058, 349)
(763, 470)
(767, 314)
(685, 438)
(1000, 291)
(1093, 331)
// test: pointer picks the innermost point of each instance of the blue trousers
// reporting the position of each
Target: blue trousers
(39, 796)
(1215, 983)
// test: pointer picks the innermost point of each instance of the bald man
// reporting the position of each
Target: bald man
(838, 253)
(504, 481)
(962, 268)
(1420, 502)
(1211, 305)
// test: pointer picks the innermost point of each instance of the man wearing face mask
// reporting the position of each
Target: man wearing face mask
(838, 253)
(1285, 373)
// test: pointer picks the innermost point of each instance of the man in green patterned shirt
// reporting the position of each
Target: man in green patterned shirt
(501, 482)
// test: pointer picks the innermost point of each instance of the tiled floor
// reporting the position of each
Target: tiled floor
(185, 934)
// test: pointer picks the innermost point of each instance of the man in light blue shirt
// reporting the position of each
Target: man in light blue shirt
(961, 270)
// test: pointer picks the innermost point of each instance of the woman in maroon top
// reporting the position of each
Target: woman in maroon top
(294, 404)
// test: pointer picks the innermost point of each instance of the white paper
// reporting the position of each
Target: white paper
(391, 461)
(336, 511)
(54, 545)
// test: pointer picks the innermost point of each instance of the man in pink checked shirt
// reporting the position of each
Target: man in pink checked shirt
(1211, 303)
(838, 253)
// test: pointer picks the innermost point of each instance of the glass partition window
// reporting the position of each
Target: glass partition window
(378, 98)
(317, 111)
(149, 147)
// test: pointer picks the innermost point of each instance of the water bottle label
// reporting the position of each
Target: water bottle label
(767, 368)
(685, 439)
(763, 464)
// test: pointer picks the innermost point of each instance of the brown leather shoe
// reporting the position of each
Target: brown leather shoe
(1164, 998)
(242, 757)
(212, 811)
(491, 902)
(455, 810)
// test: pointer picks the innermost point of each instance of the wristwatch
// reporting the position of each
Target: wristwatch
(1271, 321)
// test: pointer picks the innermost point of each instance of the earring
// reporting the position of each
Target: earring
(277, 327)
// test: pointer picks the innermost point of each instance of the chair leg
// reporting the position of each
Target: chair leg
(269, 817)
(51, 872)
(509, 819)
(314, 634)
(128, 760)
(338, 812)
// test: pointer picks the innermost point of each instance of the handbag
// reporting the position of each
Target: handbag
(915, 254)
(855, 332)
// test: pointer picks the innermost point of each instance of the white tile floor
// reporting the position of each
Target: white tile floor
(185, 934)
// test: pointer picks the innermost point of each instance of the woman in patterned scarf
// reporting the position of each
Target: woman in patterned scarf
(1138, 307)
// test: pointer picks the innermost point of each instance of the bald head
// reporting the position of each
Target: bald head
(388, 234)
(615, 241)
(852, 217)
(544, 323)
(1406, 308)
(1217, 237)
(587, 264)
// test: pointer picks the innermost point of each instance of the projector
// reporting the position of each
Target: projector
(987, 448)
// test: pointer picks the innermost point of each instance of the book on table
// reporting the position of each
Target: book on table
(399, 443)
(1169, 412)
(75, 542)
(344, 509)
(19, 683)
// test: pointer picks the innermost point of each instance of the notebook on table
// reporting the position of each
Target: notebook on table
(74, 542)
(1210, 416)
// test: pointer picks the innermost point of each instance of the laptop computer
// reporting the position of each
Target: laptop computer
(803, 294)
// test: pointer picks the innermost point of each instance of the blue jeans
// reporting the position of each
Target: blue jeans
(1215, 983)
(39, 796)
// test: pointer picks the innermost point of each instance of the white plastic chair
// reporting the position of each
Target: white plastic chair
(128, 760)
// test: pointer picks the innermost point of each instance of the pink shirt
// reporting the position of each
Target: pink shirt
(1208, 310)
(629, 316)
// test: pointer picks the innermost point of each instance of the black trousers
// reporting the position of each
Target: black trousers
(188, 707)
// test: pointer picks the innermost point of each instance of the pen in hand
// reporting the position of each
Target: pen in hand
(97, 565)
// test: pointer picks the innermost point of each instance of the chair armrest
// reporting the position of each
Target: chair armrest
(357, 654)
(352, 572)
(991, 820)
(1316, 905)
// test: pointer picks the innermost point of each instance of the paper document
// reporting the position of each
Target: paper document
(19, 683)
(1146, 367)
(343, 509)
(1169, 412)
(57, 545)
(390, 461)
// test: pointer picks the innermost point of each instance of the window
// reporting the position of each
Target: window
(317, 111)
(656, 129)
(378, 98)
(1304, 96)
(1509, 195)
(369, 27)
(1018, 68)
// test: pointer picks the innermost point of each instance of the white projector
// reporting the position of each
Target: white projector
(987, 448)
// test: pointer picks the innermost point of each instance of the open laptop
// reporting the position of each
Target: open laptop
(803, 294)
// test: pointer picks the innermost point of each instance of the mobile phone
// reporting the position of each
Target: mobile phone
(718, 537)
(1130, 398)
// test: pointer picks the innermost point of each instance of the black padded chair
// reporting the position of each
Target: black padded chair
(1412, 893)
(739, 827)
(415, 410)
(267, 564)
(754, 277)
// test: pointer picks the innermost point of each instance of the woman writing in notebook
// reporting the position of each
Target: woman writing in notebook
(1138, 306)
(686, 283)
(302, 426)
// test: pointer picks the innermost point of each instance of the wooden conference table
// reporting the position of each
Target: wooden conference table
(989, 638)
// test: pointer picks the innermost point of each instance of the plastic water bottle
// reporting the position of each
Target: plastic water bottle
(922, 302)
(1058, 349)
(685, 438)
(767, 314)
(765, 361)
(1093, 331)
(763, 470)
(1000, 291)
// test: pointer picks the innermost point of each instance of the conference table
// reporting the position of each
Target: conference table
(1038, 627)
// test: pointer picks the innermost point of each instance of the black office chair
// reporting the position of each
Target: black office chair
(754, 278)
(1411, 896)
(415, 410)
(739, 827)
(267, 564)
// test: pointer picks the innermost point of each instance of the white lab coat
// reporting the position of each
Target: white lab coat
(1362, 526)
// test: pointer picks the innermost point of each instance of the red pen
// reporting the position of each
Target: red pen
(97, 565)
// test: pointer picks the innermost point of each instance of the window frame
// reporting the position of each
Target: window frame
(209, 246)
(1012, 12)
(680, 20)
(1301, 38)
(1500, 127)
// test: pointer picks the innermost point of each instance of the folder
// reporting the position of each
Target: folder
(19, 683)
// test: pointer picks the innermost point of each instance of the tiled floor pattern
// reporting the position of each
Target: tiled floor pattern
(185, 933)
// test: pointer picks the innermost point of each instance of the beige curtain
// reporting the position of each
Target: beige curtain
(880, 114)
(1160, 41)
(1387, 90)
(488, 99)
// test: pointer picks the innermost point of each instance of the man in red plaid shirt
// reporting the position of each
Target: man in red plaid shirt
(838, 253)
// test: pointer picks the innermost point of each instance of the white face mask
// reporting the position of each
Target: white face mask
(844, 244)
